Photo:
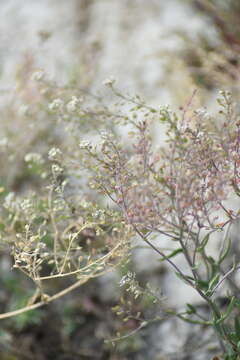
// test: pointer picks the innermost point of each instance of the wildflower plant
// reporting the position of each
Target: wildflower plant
(180, 192)
(102, 189)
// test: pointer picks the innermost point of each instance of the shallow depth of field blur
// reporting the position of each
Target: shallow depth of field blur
(163, 50)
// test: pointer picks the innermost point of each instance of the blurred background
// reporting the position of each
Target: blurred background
(162, 50)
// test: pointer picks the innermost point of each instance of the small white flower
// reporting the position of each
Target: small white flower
(56, 169)
(84, 144)
(99, 214)
(56, 104)
(225, 93)
(109, 81)
(34, 157)
(105, 135)
(85, 204)
(10, 202)
(202, 112)
(165, 107)
(54, 153)
(44, 175)
(38, 75)
(73, 104)
(26, 204)
(126, 279)
(3, 142)
(23, 110)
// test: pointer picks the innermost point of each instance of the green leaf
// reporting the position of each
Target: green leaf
(152, 110)
(232, 335)
(191, 309)
(203, 285)
(214, 282)
(2, 226)
(214, 266)
(228, 311)
(203, 243)
(185, 278)
(172, 254)
(225, 252)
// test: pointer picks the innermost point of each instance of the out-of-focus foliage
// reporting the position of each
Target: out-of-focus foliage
(214, 61)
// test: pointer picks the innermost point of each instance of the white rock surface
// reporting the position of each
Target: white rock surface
(114, 37)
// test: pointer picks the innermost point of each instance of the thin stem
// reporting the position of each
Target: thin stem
(51, 298)
(56, 234)
(225, 276)
(162, 255)
(84, 269)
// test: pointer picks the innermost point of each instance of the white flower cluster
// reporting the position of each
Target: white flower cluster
(164, 108)
(56, 104)
(23, 110)
(105, 135)
(85, 204)
(56, 169)
(225, 93)
(165, 112)
(34, 157)
(99, 214)
(10, 202)
(26, 205)
(84, 144)
(131, 284)
(38, 75)
(126, 279)
(54, 153)
(73, 104)
(59, 204)
(202, 112)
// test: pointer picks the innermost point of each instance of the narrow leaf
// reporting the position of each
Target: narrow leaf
(191, 309)
(203, 243)
(172, 254)
(228, 311)
(225, 252)
(213, 281)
